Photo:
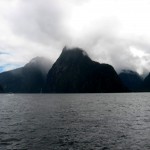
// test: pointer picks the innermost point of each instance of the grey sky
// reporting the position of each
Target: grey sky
(111, 31)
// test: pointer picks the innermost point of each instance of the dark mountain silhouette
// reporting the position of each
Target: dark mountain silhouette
(75, 72)
(132, 80)
(146, 84)
(28, 79)
(1, 89)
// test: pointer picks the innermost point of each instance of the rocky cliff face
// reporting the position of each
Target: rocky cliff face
(132, 80)
(75, 72)
(28, 79)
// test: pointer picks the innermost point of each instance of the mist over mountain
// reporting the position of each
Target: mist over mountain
(131, 79)
(40, 63)
(75, 72)
(28, 79)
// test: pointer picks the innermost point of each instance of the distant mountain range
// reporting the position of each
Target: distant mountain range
(73, 72)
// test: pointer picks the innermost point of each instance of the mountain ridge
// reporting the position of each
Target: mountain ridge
(73, 72)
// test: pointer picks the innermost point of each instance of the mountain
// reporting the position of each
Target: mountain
(28, 79)
(75, 72)
(146, 84)
(1, 89)
(131, 79)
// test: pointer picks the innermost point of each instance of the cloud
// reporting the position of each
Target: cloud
(40, 21)
(115, 32)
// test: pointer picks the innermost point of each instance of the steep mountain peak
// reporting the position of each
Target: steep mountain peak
(75, 72)
(73, 54)
(74, 50)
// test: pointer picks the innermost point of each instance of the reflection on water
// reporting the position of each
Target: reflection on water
(75, 122)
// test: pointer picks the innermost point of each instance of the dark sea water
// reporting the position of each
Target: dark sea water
(75, 122)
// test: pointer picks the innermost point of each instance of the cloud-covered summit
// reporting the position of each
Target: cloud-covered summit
(111, 31)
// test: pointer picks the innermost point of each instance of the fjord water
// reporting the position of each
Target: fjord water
(75, 121)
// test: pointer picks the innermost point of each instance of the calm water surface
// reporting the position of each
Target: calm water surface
(75, 122)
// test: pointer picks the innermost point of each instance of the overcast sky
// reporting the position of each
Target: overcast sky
(111, 31)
